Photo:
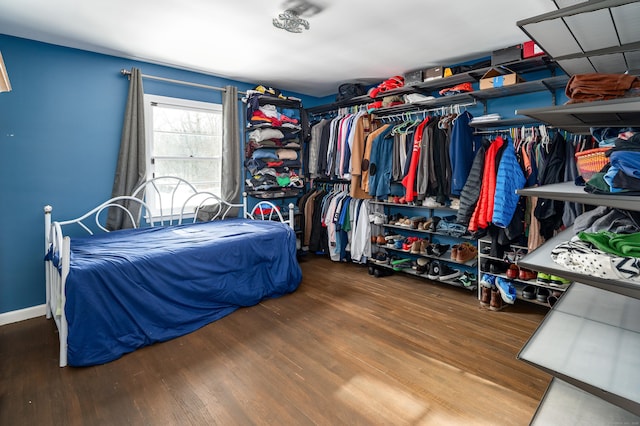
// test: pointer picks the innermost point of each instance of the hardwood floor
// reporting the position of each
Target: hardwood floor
(345, 349)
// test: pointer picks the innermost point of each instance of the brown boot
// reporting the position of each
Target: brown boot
(485, 296)
(496, 303)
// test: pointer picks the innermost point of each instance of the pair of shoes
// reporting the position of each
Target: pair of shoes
(437, 249)
(463, 252)
(442, 272)
(380, 258)
(557, 281)
(507, 290)
(526, 274)
(467, 279)
(422, 265)
(513, 271)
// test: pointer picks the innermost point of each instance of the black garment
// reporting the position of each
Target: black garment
(623, 180)
(471, 190)
(549, 212)
(442, 164)
(631, 144)
(319, 240)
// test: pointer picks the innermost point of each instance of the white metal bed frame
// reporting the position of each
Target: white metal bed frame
(60, 244)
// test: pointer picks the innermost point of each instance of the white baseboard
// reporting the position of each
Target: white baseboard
(23, 314)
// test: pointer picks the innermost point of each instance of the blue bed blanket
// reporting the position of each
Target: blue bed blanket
(131, 288)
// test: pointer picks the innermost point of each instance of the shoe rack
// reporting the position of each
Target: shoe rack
(434, 245)
(530, 286)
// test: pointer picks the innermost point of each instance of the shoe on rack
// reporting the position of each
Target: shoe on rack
(415, 247)
(466, 252)
(496, 303)
(529, 292)
(467, 279)
(434, 270)
(526, 274)
(447, 273)
(513, 271)
(557, 281)
(440, 249)
(454, 252)
(488, 281)
(507, 290)
(380, 258)
(542, 294)
(380, 240)
(551, 300)
(543, 278)
(433, 226)
(422, 265)
(497, 267)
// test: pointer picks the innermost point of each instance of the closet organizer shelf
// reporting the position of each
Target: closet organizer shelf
(443, 234)
(565, 404)
(522, 66)
(445, 257)
(414, 273)
(578, 118)
(568, 191)
(596, 339)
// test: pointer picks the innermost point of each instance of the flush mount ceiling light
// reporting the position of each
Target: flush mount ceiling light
(291, 20)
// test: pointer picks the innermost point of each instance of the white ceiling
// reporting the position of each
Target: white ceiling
(349, 40)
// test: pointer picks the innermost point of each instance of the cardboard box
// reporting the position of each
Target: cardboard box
(433, 73)
(499, 78)
(530, 49)
(506, 55)
(413, 77)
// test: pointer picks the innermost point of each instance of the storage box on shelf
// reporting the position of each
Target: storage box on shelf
(420, 241)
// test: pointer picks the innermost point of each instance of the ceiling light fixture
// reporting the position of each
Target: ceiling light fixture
(291, 20)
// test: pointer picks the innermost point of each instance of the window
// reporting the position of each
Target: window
(184, 139)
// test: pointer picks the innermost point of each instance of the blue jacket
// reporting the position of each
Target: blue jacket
(509, 178)
(462, 151)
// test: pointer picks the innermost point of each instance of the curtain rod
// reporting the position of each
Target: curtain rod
(184, 83)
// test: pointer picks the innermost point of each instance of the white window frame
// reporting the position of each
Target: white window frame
(149, 101)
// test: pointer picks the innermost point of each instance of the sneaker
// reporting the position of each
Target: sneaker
(543, 278)
(440, 249)
(447, 273)
(488, 281)
(507, 290)
(434, 270)
(557, 281)
(422, 265)
(467, 279)
(380, 258)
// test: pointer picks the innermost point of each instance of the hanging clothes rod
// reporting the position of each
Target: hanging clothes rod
(184, 83)
(425, 111)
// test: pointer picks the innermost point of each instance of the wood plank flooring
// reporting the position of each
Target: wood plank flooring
(345, 349)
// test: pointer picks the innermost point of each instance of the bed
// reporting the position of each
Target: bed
(111, 293)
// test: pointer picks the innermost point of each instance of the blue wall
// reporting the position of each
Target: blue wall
(59, 139)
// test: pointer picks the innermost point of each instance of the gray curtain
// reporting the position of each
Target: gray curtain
(231, 161)
(131, 167)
